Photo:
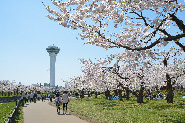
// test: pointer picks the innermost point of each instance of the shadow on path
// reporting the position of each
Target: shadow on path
(64, 114)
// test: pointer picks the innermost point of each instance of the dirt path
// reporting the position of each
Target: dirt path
(42, 112)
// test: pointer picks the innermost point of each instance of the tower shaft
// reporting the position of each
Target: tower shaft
(52, 69)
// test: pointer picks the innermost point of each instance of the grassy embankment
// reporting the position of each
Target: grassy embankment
(151, 111)
(6, 109)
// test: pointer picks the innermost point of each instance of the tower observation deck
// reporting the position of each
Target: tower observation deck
(53, 51)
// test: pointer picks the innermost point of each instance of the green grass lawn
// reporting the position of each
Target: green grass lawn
(115, 111)
(6, 109)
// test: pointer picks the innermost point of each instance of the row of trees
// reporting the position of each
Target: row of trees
(128, 77)
(128, 24)
(8, 88)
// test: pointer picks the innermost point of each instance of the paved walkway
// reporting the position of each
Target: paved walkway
(42, 112)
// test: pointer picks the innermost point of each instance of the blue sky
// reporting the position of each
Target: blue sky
(26, 32)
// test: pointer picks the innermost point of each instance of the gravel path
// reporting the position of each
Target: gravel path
(42, 112)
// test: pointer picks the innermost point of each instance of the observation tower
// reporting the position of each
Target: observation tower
(53, 51)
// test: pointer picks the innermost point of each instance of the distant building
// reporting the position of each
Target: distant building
(34, 84)
(46, 84)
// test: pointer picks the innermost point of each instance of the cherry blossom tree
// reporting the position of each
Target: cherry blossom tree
(124, 23)
(93, 78)
(127, 24)
(109, 78)
(141, 75)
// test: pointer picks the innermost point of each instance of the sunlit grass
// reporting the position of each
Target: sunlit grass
(20, 118)
(6, 109)
(109, 111)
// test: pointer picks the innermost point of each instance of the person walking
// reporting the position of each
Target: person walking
(35, 97)
(31, 97)
(43, 96)
(22, 97)
(50, 98)
(65, 101)
(38, 96)
(26, 97)
(58, 102)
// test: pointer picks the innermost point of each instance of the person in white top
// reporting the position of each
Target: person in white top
(39, 96)
(65, 101)
(23, 95)
(31, 97)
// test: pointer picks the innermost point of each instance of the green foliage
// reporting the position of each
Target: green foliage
(115, 111)
(6, 109)
(20, 118)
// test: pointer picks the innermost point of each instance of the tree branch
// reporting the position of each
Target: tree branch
(146, 24)
(180, 45)
(178, 22)
(125, 78)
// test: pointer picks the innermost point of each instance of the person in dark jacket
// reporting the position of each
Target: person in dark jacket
(50, 97)
(35, 97)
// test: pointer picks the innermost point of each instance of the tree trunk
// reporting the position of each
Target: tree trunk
(157, 88)
(120, 95)
(95, 94)
(127, 93)
(82, 93)
(116, 92)
(140, 96)
(181, 87)
(88, 94)
(107, 94)
(2, 93)
(17, 91)
(169, 97)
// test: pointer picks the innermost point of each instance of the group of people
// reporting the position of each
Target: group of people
(59, 101)
(32, 97)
